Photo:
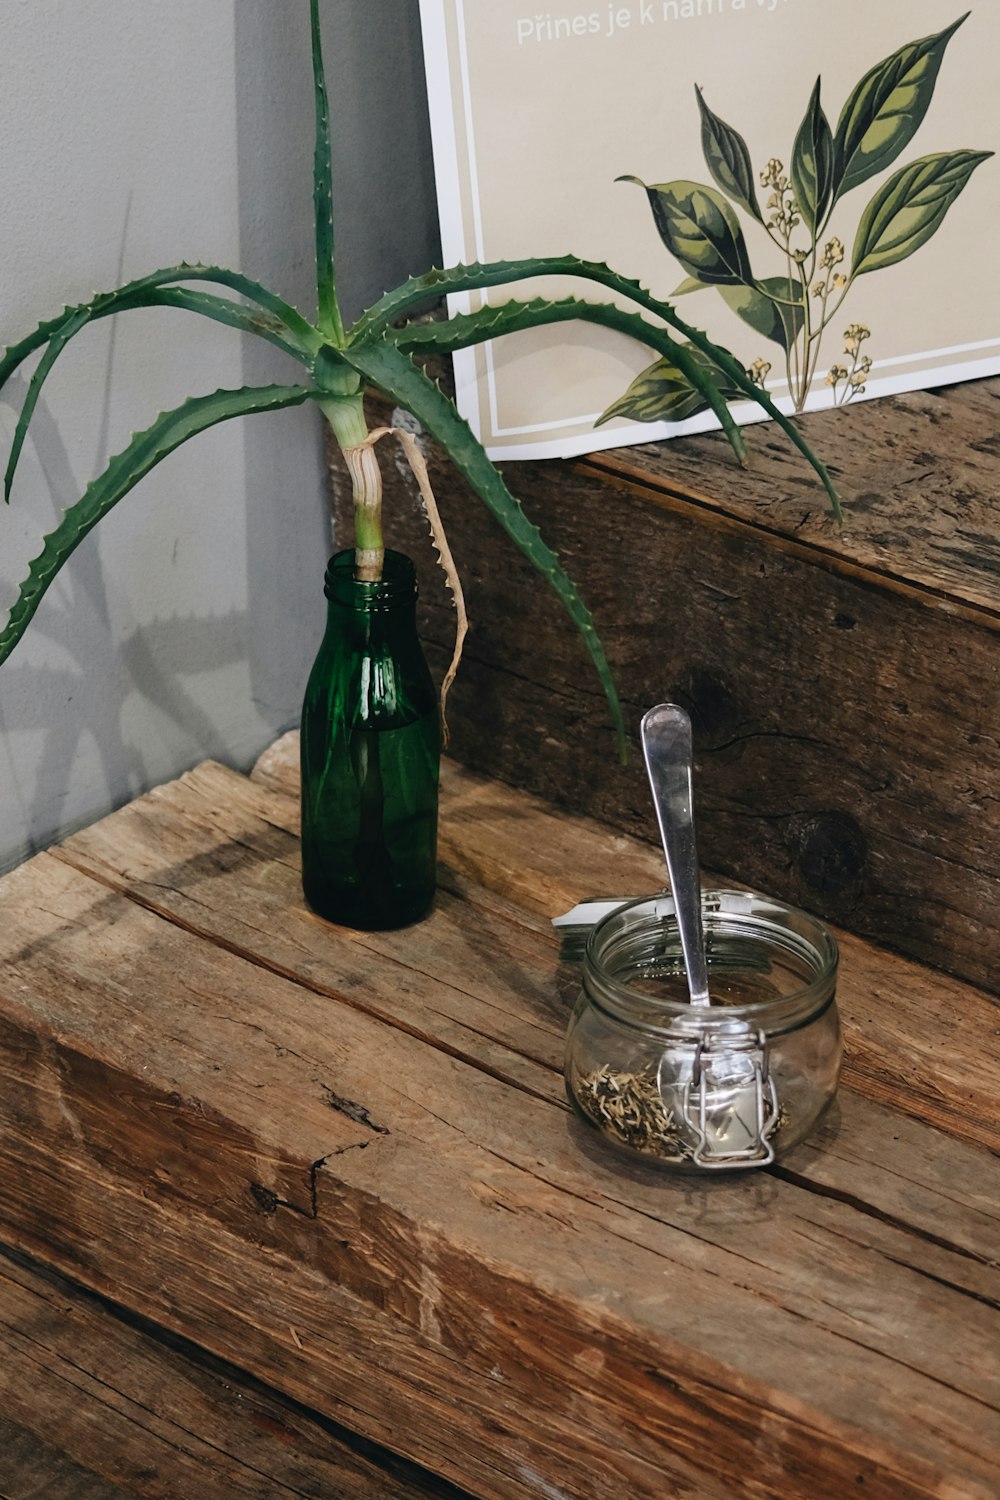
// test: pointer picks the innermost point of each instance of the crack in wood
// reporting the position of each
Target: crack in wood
(852, 1200)
(765, 734)
(268, 1201)
(356, 1112)
(993, 1303)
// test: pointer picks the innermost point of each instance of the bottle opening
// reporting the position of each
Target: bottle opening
(397, 586)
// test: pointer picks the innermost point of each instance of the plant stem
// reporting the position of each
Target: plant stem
(346, 416)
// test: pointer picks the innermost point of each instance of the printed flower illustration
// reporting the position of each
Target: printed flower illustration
(701, 228)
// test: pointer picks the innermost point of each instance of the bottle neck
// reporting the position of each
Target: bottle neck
(394, 593)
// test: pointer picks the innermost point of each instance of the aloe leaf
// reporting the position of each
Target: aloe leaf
(910, 207)
(728, 158)
(737, 374)
(511, 317)
(812, 162)
(884, 110)
(498, 273)
(326, 292)
(256, 320)
(300, 330)
(246, 319)
(732, 368)
(56, 344)
(301, 333)
(480, 275)
(396, 375)
(734, 371)
(477, 276)
(124, 471)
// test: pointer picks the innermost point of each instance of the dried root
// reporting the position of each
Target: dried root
(415, 459)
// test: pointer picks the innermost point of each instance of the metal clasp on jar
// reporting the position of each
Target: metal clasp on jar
(729, 1102)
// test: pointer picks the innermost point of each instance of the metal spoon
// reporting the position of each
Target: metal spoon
(666, 746)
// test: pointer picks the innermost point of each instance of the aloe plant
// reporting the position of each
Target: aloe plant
(381, 349)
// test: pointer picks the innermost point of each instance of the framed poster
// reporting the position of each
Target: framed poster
(809, 181)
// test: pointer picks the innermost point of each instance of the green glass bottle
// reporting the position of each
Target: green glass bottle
(371, 751)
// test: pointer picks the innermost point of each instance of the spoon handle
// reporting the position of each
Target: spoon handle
(666, 746)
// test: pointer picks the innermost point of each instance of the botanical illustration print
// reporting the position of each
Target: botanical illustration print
(795, 307)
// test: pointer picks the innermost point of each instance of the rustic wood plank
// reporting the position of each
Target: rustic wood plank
(94, 1406)
(845, 686)
(917, 473)
(32, 1469)
(538, 1343)
(242, 1119)
(895, 1012)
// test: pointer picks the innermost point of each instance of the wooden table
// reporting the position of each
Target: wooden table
(343, 1169)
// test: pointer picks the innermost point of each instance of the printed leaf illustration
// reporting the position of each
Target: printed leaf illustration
(886, 108)
(779, 320)
(728, 158)
(812, 162)
(701, 228)
(698, 226)
(663, 393)
(909, 208)
(689, 284)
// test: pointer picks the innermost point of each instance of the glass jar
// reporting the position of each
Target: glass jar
(370, 755)
(732, 1084)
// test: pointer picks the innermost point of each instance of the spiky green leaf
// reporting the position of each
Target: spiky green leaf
(301, 334)
(511, 317)
(326, 290)
(55, 346)
(254, 320)
(124, 471)
(397, 376)
(416, 291)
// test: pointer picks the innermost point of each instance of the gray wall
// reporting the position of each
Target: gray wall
(134, 137)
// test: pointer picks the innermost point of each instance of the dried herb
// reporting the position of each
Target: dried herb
(630, 1108)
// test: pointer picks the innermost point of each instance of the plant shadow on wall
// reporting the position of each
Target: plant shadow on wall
(359, 775)
(794, 308)
(63, 706)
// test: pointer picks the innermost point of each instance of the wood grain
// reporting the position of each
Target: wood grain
(98, 1406)
(844, 685)
(237, 1120)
